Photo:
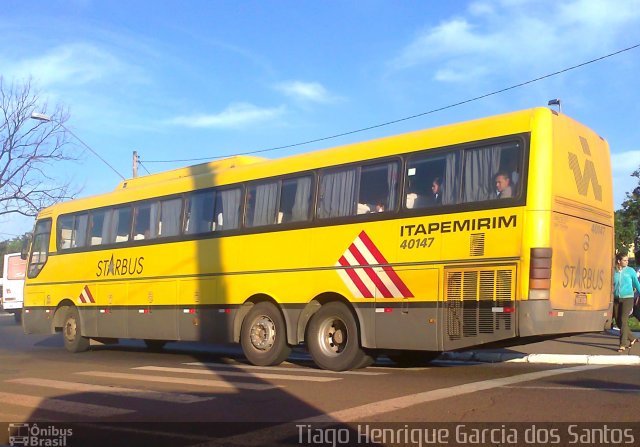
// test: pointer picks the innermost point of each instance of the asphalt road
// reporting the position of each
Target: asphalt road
(191, 394)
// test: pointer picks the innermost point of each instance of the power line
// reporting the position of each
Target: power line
(143, 166)
(439, 109)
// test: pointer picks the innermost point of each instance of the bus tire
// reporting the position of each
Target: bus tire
(17, 316)
(72, 330)
(333, 339)
(155, 345)
(263, 336)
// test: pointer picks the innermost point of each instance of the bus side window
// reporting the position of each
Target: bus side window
(295, 200)
(170, 215)
(120, 225)
(96, 227)
(145, 221)
(426, 186)
(199, 212)
(72, 231)
(378, 189)
(227, 209)
(261, 203)
(337, 195)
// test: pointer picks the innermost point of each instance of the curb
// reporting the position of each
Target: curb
(557, 359)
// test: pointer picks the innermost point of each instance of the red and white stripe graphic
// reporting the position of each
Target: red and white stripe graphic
(367, 274)
(86, 297)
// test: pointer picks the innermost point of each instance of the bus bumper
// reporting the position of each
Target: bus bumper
(537, 317)
(10, 305)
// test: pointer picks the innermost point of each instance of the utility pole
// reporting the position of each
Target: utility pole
(135, 163)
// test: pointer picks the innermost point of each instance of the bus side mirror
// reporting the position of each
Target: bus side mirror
(24, 253)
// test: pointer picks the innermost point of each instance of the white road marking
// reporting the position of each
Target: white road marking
(400, 403)
(284, 368)
(179, 380)
(237, 374)
(61, 406)
(179, 398)
(366, 412)
(576, 388)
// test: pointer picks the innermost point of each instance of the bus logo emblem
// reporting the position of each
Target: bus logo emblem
(583, 178)
(366, 273)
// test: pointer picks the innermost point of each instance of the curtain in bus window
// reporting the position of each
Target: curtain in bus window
(480, 165)
(449, 184)
(392, 183)
(80, 230)
(170, 217)
(229, 217)
(265, 204)
(337, 193)
(300, 210)
(108, 232)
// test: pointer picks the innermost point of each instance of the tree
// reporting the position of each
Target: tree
(29, 149)
(627, 221)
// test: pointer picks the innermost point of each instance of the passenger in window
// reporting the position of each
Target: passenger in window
(380, 206)
(436, 192)
(503, 185)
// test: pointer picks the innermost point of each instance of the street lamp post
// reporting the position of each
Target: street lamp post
(47, 118)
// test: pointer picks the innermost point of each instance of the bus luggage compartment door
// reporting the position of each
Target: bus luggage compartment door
(406, 309)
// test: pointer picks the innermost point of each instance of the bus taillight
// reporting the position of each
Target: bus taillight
(540, 273)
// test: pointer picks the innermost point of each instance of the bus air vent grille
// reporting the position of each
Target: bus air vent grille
(473, 295)
(477, 245)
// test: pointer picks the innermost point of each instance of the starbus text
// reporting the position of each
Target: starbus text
(120, 267)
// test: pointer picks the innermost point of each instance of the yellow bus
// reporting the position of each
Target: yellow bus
(492, 231)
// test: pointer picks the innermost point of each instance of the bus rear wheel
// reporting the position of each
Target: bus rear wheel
(263, 336)
(72, 330)
(333, 339)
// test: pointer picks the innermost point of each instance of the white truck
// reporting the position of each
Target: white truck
(13, 284)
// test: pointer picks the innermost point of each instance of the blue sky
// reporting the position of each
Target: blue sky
(195, 79)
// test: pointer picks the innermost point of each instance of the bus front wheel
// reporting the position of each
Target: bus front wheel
(333, 341)
(72, 330)
(263, 336)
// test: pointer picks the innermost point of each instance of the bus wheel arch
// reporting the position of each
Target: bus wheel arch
(367, 338)
(71, 323)
(58, 316)
(333, 336)
(246, 308)
(263, 333)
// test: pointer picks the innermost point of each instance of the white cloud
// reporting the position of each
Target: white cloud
(75, 64)
(494, 36)
(306, 91)
(236, 115)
